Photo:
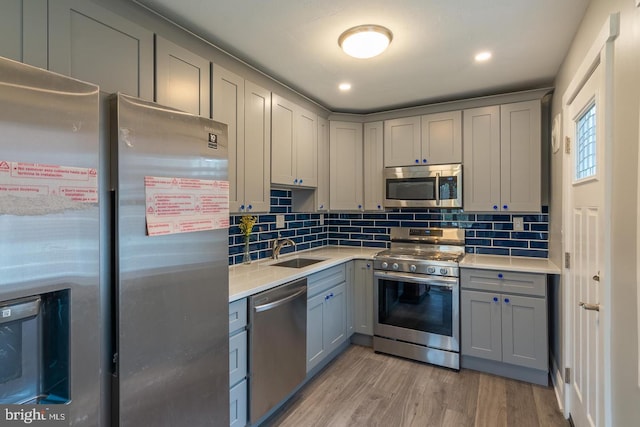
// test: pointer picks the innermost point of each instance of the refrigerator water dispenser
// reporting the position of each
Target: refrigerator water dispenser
(34, 349)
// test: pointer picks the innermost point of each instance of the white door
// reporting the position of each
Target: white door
(584, 116)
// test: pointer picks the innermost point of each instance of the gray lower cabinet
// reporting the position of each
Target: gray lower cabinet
(326, 313)
(504, 321)
(93, 44)
(23, 31)
(238, 362)
(363, 297)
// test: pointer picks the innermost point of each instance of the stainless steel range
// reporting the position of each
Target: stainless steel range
(417, 295)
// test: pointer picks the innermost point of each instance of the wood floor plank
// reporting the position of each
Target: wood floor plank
(362, 388)
(492, 401)
(521, 406)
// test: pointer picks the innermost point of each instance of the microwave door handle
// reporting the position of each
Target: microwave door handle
(437, 189)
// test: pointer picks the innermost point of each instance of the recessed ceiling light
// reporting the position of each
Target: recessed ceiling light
(483, 56)
(344, 86)
(365, 41)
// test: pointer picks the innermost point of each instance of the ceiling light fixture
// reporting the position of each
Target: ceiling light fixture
(483, 56)
(344, 86)
(365, 41)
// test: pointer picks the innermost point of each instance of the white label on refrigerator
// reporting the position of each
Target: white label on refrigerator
(55, 188)
(183, 205)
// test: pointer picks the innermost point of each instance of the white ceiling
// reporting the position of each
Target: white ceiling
(430, 58)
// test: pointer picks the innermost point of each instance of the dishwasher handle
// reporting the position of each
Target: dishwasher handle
(281, 301)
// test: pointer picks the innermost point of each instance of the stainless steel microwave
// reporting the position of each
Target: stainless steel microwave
(437, 186)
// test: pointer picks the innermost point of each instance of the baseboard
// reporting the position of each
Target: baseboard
(558, 384)
(534, 376)
(363, 340)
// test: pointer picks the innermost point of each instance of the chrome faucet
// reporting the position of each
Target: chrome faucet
(278, 245)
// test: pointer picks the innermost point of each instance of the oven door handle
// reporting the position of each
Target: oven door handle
(447, 282)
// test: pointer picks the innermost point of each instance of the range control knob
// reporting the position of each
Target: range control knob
(431, 270)
(385, 265)
(412, 268)
(395, 266)
(444, 270)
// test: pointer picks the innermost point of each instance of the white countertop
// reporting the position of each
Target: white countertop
(499, 262)
(249, 279)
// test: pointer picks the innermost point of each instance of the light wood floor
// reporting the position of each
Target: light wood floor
(362, 388)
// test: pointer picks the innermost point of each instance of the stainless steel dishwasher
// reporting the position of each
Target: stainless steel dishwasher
(277, 345)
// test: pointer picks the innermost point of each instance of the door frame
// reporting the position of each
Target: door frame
(600, 53)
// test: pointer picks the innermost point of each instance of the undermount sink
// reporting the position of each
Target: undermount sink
(297, 262)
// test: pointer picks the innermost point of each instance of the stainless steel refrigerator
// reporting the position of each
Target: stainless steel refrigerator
(50, 332)
(171, 287)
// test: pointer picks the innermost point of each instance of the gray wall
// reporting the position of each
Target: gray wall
(625, 399)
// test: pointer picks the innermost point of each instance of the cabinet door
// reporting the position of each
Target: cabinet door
(257, 148)
(350, 305)
(282, 141)
(402, 142)
(481, 159)
(442, 137)
(363, 295)
(306, 148)
(345, 153)
(122, 63)
(238, 405)
(481, 325)
(520, 129)
(228, 107)
(237, 357)
(524, 331)
(373, 166)
(315, 326)
(322, 191)
(335, 321)
(182, 79)
(23, 31)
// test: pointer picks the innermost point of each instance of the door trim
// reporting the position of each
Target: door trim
(600, 53)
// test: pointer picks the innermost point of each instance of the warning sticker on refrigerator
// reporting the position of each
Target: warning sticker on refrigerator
(56, 187)
(183, 205)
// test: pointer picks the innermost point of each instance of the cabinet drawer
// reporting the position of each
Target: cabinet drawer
(238, 405)
(237, 315)
(237, 357)
(323, 280)
(504, 281)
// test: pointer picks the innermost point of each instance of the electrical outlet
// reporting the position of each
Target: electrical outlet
(279, 221)
(518, 223)
(321, 219)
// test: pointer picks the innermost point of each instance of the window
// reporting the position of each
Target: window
(586, 144)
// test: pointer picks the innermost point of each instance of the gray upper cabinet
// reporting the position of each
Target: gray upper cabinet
(322, 192)
(93, 44)
(182, 79)
(402, 142)
(421, 140)
(246, 109)
(23, 31)
(520, 164)
(442, 137)
(502, 158)
(373, 166)
(294, 139)
(345, 166)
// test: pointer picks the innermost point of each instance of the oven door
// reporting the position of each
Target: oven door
(418, 309)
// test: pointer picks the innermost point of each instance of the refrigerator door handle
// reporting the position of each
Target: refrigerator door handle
(277, 303)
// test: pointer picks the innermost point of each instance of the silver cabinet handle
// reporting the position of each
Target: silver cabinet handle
(587, 306)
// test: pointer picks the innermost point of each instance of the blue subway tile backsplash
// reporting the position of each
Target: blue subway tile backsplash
(485, 233)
